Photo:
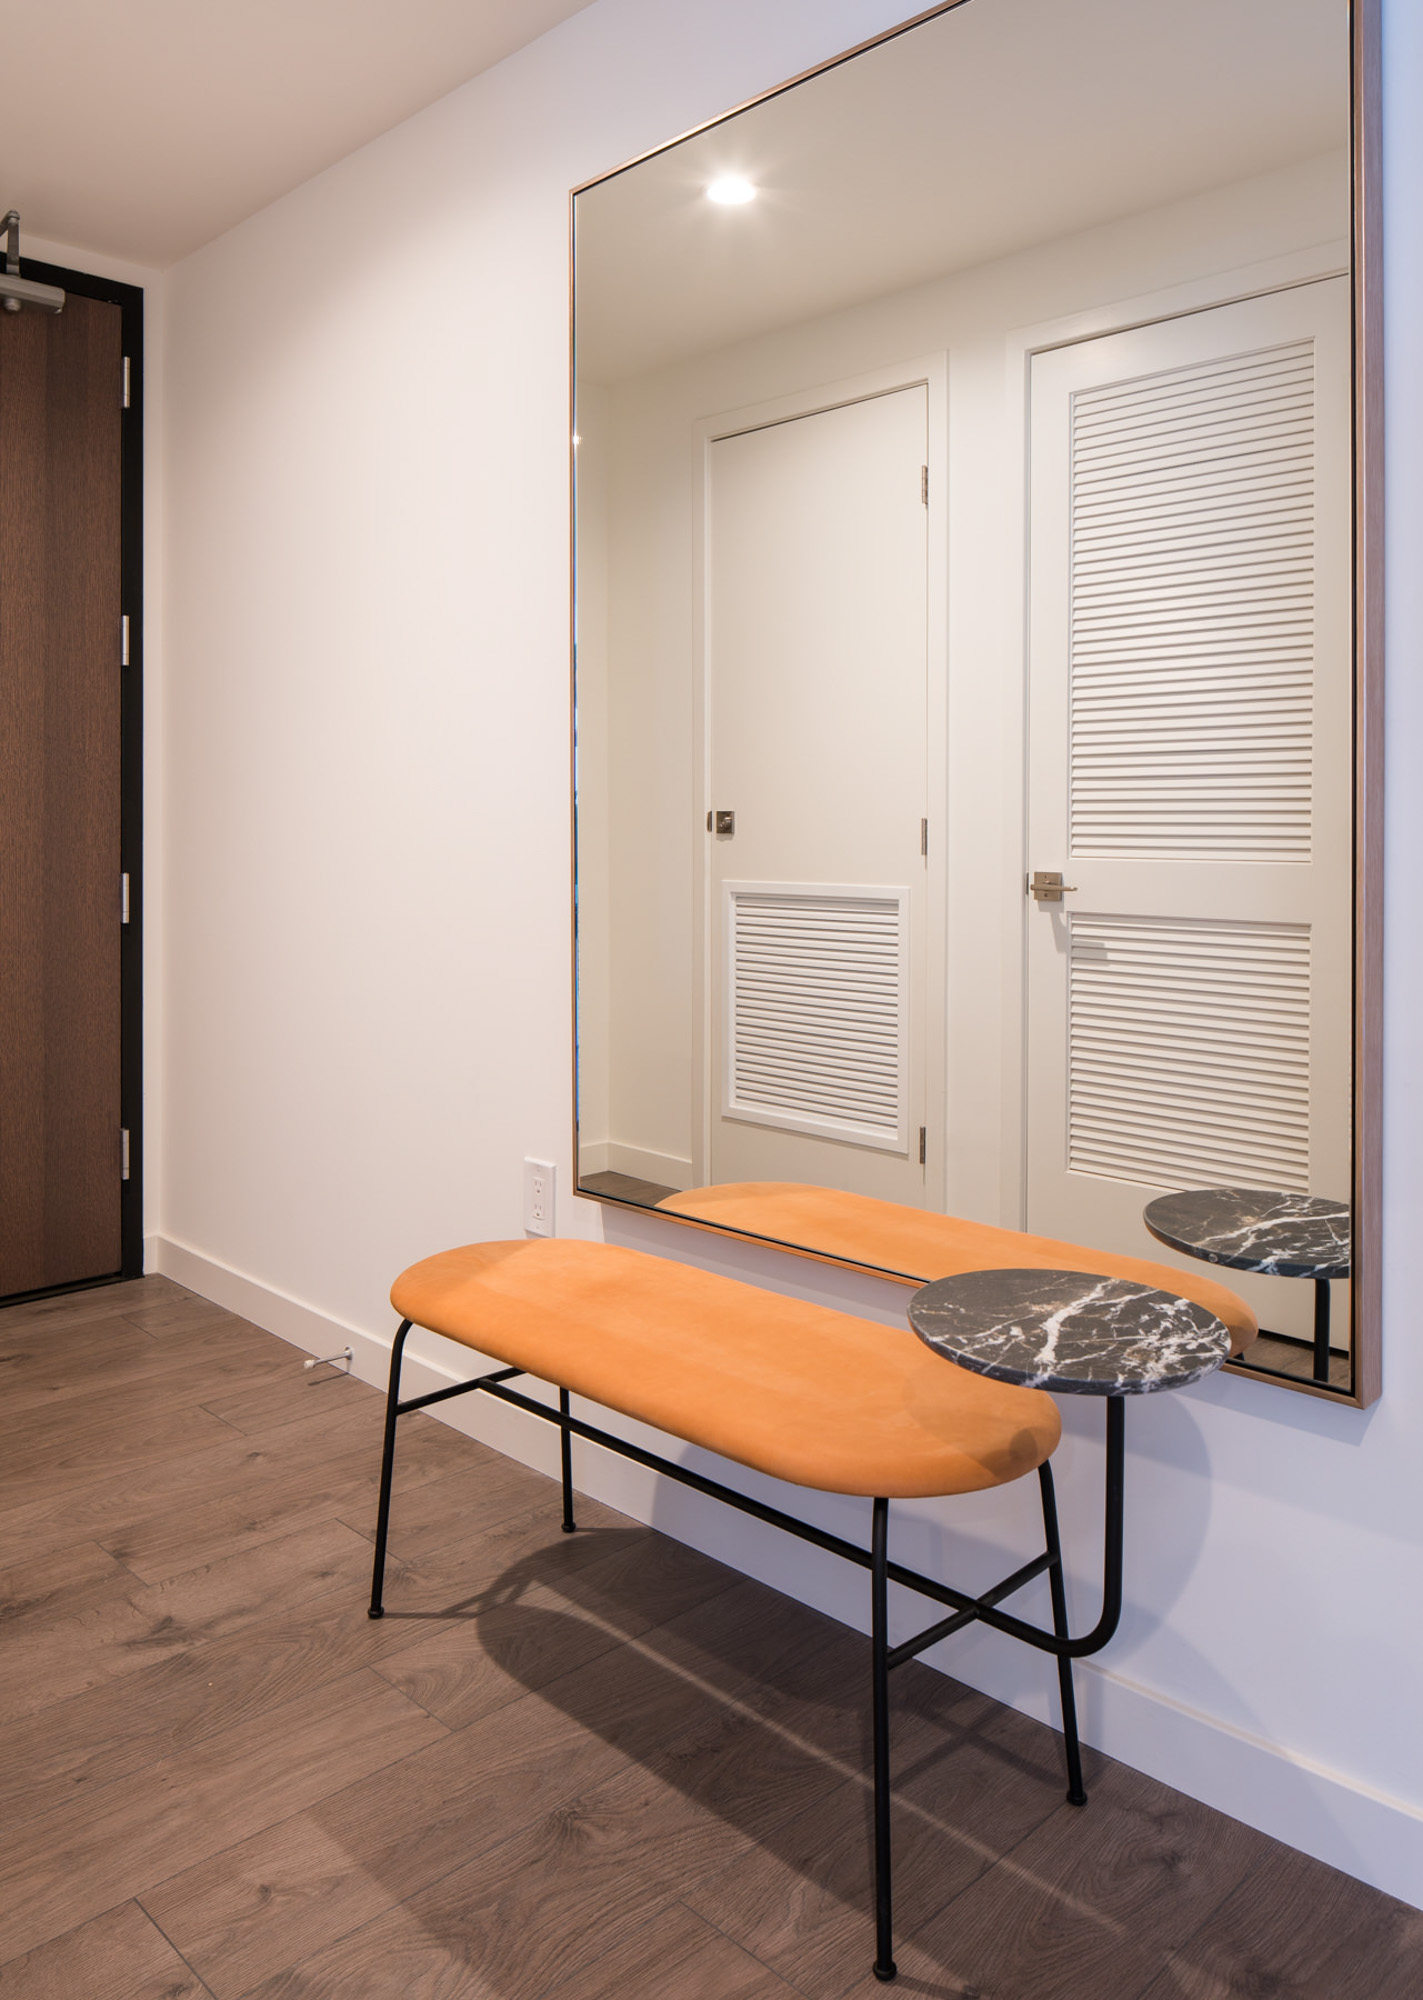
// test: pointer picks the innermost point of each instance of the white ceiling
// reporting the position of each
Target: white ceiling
(143, 128)
(1001, 124)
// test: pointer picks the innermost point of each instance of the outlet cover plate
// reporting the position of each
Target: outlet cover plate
(538, 1197)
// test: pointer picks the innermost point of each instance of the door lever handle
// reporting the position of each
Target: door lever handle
(1047, 886)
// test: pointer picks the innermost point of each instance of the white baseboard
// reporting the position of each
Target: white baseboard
(608, 1156)
(665, 1168)
(1322, 1812)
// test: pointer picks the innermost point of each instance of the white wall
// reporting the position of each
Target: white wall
(369, 743)
(367, 1011)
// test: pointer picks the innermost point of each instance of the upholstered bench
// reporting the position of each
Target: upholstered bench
(810, 1396)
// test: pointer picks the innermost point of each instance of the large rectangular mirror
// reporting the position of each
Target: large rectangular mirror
(970, 695)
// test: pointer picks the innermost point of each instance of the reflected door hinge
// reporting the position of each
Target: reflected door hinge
(924, 837)
(923, 1144)
(126, 402)
(123, 898)
(123, 1152)
(924, 484)
(123, 640)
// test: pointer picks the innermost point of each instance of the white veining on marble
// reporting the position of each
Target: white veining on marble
(1253, 1229)
(1069, 1331)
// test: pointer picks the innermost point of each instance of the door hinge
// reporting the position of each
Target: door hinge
(123, 1151)
(123, 640)
(923, 1144)
(127, 386)
(123, 898)
(924, 484)
(924, 837)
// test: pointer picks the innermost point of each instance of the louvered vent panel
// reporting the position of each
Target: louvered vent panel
(1192, 611)
(1189, 1052)
(817, 1012)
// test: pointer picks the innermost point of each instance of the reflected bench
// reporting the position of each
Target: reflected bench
(799, 1392)
(913, 1246)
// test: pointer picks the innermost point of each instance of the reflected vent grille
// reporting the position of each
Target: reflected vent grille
(817, 1017)
(1189, 1052)
(1192, 608)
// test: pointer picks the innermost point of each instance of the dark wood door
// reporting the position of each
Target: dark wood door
(61, 1169)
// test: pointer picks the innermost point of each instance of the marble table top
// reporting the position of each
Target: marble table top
(1256, 1229)
(1069, 1331)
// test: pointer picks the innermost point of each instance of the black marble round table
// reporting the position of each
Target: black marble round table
(1256, 1229)
(1262, 1229)
(1069, 1331)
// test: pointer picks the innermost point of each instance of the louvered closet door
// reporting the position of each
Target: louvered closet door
(816, 688)
(1189, 768)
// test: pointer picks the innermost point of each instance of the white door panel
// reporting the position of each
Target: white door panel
(816, 700)
(1190, 768)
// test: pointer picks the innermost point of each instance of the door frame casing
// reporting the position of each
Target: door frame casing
(129, 300)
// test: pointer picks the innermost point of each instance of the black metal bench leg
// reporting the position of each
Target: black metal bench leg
(885, 1967)
(387, 1472)
(565, 1447)
(1076, 1793)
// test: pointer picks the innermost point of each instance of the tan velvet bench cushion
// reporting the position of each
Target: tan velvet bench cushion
(916, 1246)
(805, 1394)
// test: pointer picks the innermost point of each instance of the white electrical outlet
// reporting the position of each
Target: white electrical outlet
(538, 1197)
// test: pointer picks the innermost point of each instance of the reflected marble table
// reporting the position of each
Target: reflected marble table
(1261, 1229)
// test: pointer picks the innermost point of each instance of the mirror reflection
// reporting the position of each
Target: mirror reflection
(963, 647)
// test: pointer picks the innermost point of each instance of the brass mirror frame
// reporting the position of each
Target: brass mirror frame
(1366, 233)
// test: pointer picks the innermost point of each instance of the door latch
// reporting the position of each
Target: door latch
(1047, 886)
(722, 822)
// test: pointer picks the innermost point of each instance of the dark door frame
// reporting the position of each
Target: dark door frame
(129, 299)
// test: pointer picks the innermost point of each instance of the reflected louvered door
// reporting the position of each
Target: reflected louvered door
(816, 687)
(1189, 761)
(817, 1011)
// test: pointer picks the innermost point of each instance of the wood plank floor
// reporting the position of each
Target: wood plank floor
(561, 1768)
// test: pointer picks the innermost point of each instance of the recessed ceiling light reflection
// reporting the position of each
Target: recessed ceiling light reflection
(730, 190)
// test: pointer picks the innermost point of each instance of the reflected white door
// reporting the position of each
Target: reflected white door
(1189, 769)
(816, 693)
